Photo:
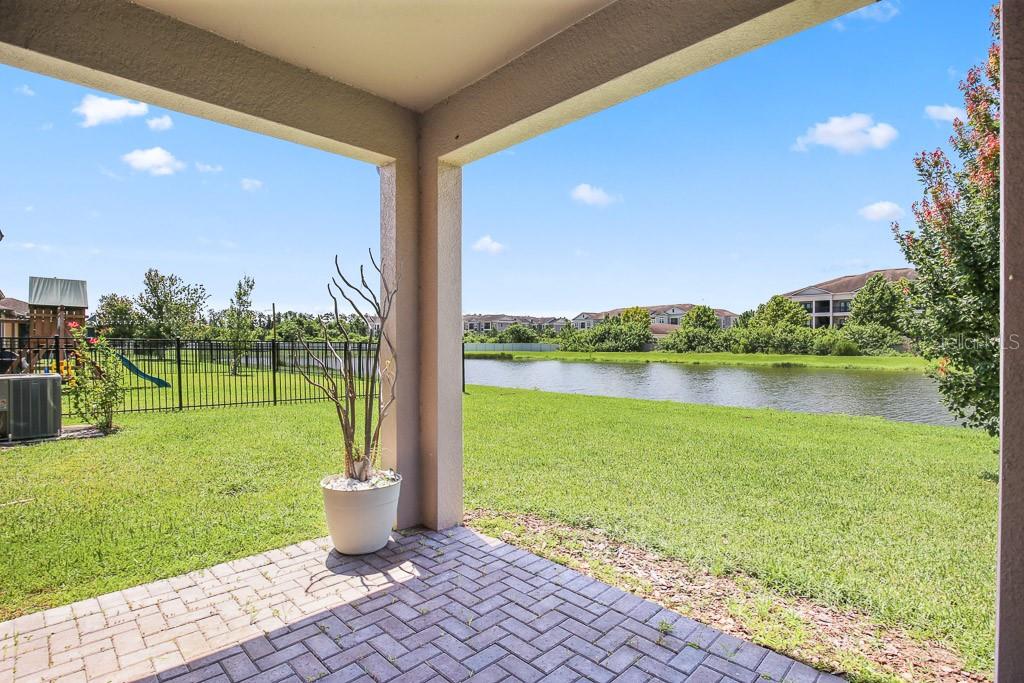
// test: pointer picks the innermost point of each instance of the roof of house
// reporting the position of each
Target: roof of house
(55, 291)
(501, 317)
(15, 306)
(654, 310)
(852, 283)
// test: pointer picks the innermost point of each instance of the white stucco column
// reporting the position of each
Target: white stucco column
(421, 240)
(441, 348)
(399, 248)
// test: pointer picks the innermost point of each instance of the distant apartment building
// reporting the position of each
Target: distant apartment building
(828, 303)
(476, 322)
(664, 319)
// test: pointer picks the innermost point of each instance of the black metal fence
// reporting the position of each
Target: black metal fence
(180, 374)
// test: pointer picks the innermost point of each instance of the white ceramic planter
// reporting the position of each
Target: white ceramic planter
(360, 522)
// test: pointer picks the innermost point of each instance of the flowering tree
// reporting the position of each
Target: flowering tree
(95, 384)
(955, 249)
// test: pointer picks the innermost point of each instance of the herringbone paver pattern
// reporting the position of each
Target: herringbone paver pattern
(434, 606)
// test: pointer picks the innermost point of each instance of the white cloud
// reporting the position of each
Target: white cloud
(848, 134)
(488, 245)
(30, 208)
(154, 161)
(208, 168)
(881, 211)
(110, 174)
(25, 90)
(160, 123)
(97, 110)
(33, 246)
(46, 126)
(591, 195)
(880, 11)
(251, 184)
(944, 112)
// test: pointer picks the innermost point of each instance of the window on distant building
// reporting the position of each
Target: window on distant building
(808, 305)
(842, 306)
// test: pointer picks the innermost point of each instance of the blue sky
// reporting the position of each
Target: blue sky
(772, 171)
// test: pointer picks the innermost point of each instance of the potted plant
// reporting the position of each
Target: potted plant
(361, 503)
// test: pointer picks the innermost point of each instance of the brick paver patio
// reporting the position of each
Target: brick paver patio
(433, 606)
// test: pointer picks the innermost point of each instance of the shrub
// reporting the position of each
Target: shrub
(694, 340)
(611, 335)
(845, 347)
(825, 340)
(788, 338)
(872, 339)
(95, 384)
(517, 334)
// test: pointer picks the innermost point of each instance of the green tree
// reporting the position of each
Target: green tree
(955, 249)
(293, 326)
(701, 318)
(117, 317)
(636, 315)
(238, 322)
(517, 334)
(744, 318)
(777, 311)
(170, 307)
(879, 302)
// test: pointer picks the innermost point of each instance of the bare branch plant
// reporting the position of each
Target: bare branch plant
(341, 370)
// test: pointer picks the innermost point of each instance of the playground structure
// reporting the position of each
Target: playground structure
(134, 369)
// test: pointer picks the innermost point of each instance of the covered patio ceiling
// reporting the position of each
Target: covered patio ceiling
(409, 52)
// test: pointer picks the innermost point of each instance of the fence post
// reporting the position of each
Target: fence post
(177, 362)
(56, 353)
(273, 366)
(463, 367)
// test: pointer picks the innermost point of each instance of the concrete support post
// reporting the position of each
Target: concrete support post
(441, 347)
(421, 240)
(1010, 576)
(399, 248)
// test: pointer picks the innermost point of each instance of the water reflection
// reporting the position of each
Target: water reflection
(905, 396)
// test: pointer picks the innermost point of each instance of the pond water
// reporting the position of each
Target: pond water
(904, 396)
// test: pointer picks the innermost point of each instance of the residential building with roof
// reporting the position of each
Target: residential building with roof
(13, 320)
(828, 303)
(667, 317)
(499, 322)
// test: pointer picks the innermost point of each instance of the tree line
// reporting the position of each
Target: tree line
(169, 307)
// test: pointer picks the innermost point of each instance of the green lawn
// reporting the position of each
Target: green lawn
(896, 519)
(903, 363)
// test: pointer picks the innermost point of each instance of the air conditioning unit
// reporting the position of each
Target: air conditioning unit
(29, 406)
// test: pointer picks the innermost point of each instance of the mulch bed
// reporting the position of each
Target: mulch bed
(830, 637)
(70, 432)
